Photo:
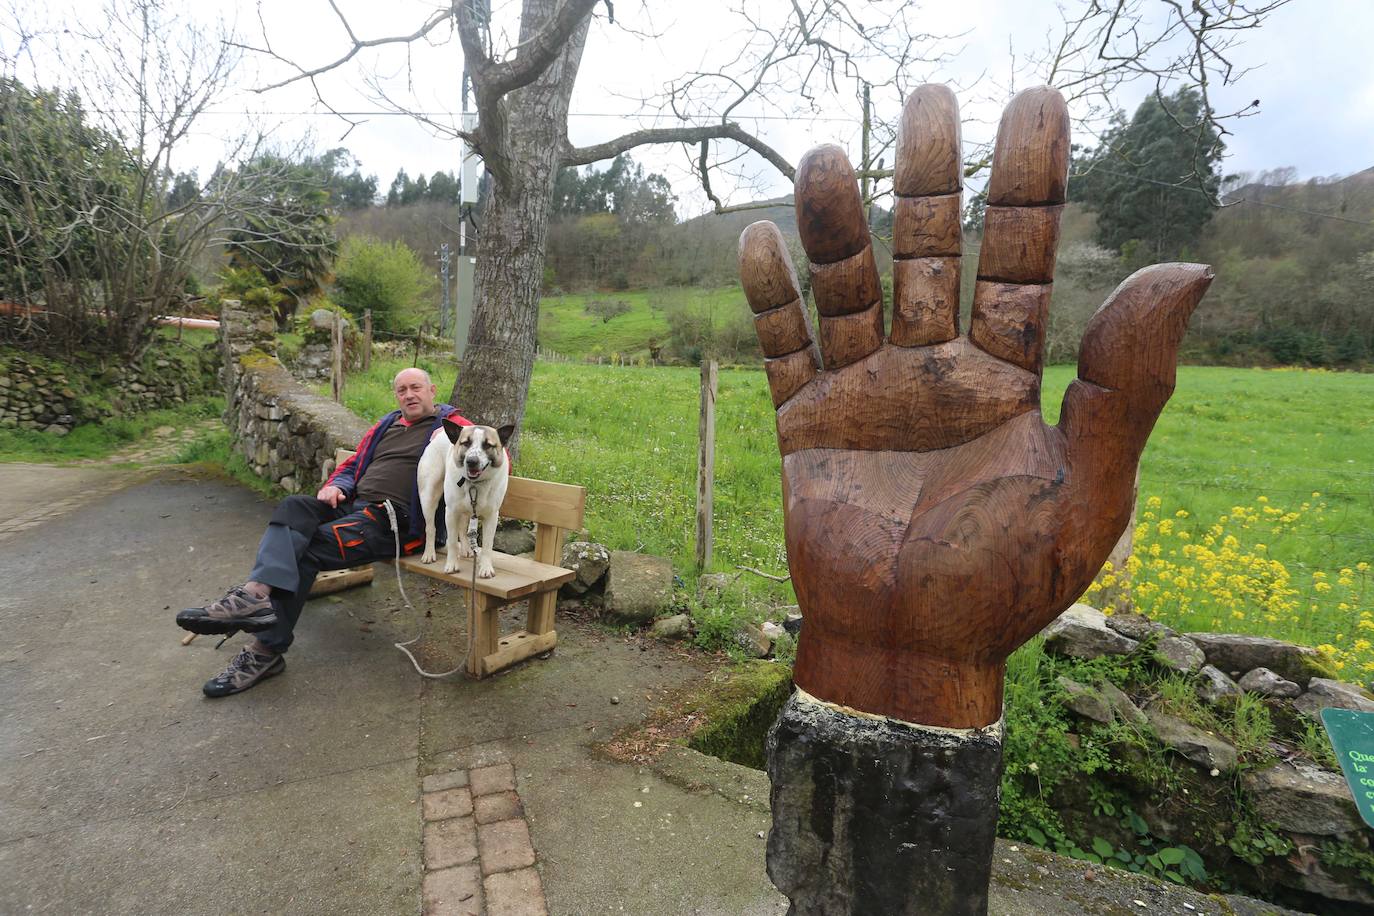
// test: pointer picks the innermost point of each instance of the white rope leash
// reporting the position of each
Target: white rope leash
(472, 592)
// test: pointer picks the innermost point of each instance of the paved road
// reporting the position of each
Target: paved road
(124, 790)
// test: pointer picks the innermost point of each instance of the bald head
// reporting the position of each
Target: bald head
(415, 393)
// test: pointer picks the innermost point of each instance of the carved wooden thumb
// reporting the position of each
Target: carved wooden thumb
(934, 522)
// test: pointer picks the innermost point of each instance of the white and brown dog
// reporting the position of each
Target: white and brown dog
(469, 459)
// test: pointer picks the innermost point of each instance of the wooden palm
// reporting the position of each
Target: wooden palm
(933, 521)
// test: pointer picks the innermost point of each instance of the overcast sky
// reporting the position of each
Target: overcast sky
(1311, 72)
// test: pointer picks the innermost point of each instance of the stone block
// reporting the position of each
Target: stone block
(505, 846)
(638, 586)
(456, 802)
(453, 891)
(1236, 654)
(1205, 749)
(1324, 692)
(438, 782)
(1268, 684)
(499, 806)
(1082, 632)
(450, 842)
(1303, 799)
(515, 893)
(1179, 654)
(499, 777)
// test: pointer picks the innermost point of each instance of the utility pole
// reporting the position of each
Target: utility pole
(467, 198)
(445, 257)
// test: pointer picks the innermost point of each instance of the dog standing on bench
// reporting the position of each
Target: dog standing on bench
(469, 459)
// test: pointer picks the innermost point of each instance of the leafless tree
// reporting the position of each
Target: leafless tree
(799, 54)
(95, 242)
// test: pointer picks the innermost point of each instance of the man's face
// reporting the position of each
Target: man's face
(414, 394)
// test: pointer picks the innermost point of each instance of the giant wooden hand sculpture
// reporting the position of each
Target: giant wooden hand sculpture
(934, 522)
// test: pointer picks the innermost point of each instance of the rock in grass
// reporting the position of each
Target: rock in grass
(590, 562)
(1214, 685)
(1085, 701)
(1082, 632)
(1121, 704)
(1136, 626)
(1207, 751)
(751, 638)
(1268, 684)
(1179, 654)
(1232, 652)
(638, 586)
(1303, 799)
(679, 626)
(1324, 692)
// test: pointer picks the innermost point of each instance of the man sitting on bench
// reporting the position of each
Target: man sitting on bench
(345, 524)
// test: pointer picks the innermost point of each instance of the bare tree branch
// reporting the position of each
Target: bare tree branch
(728, 131)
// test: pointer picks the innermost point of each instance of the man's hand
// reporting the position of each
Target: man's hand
(934, 522)
(330, 494)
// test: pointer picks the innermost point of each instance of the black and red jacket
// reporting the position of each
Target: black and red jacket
(347, 474)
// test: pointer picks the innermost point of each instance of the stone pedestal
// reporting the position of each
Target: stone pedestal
(871, 815)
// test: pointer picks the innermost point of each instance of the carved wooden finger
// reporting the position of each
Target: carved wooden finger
(1130, 349)
(782, 330)
(770, 285)
(830, 213)
(765, 268)
(846, 286)
(1030, 166)
(1009, 321)
(849, 338)
(926, 232)
(925, 301)
(788, 374)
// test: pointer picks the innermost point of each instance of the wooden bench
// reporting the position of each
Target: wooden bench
(555, 509)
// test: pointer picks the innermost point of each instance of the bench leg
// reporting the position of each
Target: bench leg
(483, 621)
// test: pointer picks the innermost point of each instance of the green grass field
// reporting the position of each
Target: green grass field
(1229, 437)
(566, 327)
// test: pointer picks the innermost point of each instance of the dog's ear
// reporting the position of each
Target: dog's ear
(452, 430)
(505, 433)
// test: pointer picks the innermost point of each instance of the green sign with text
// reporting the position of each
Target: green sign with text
(1352, 737)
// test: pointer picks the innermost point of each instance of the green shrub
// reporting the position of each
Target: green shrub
(386, 277)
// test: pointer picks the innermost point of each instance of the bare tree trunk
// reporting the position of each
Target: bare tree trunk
(494, 376)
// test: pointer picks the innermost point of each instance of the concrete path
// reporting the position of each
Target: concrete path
(349, 784)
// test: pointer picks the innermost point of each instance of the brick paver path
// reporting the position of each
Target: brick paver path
(478, 857)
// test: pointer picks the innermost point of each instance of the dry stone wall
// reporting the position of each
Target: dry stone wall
(287, 433)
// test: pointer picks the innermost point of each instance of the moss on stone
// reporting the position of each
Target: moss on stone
(738, 706)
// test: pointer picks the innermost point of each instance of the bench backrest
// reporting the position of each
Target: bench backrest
(540, 501)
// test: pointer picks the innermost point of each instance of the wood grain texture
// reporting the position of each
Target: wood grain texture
(1009, 321)
(830, 213)
(1030, 162)
(846, 286)
(925, 306)
(925, 227)
(782, 330)
(913, 399)
(850, 338)
(933, 521)
(765, 269)
(787, 374)
(929, 159)
(1019, 244)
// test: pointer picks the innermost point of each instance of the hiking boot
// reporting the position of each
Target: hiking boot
(246, 670)
(239, 609)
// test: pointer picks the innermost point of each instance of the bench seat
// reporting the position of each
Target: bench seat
(516, 577)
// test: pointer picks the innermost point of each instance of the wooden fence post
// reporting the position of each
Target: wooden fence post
(338, 380)
(706, 462)
(367, 339)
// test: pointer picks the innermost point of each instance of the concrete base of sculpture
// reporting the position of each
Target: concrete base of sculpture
(872, 815)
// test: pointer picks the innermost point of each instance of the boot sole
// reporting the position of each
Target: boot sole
(273, 670)
(217, 626)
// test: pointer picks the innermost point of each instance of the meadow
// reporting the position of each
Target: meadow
(567, 328)
(1272, 459)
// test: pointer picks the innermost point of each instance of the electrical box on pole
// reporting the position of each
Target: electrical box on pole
(466, 273)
